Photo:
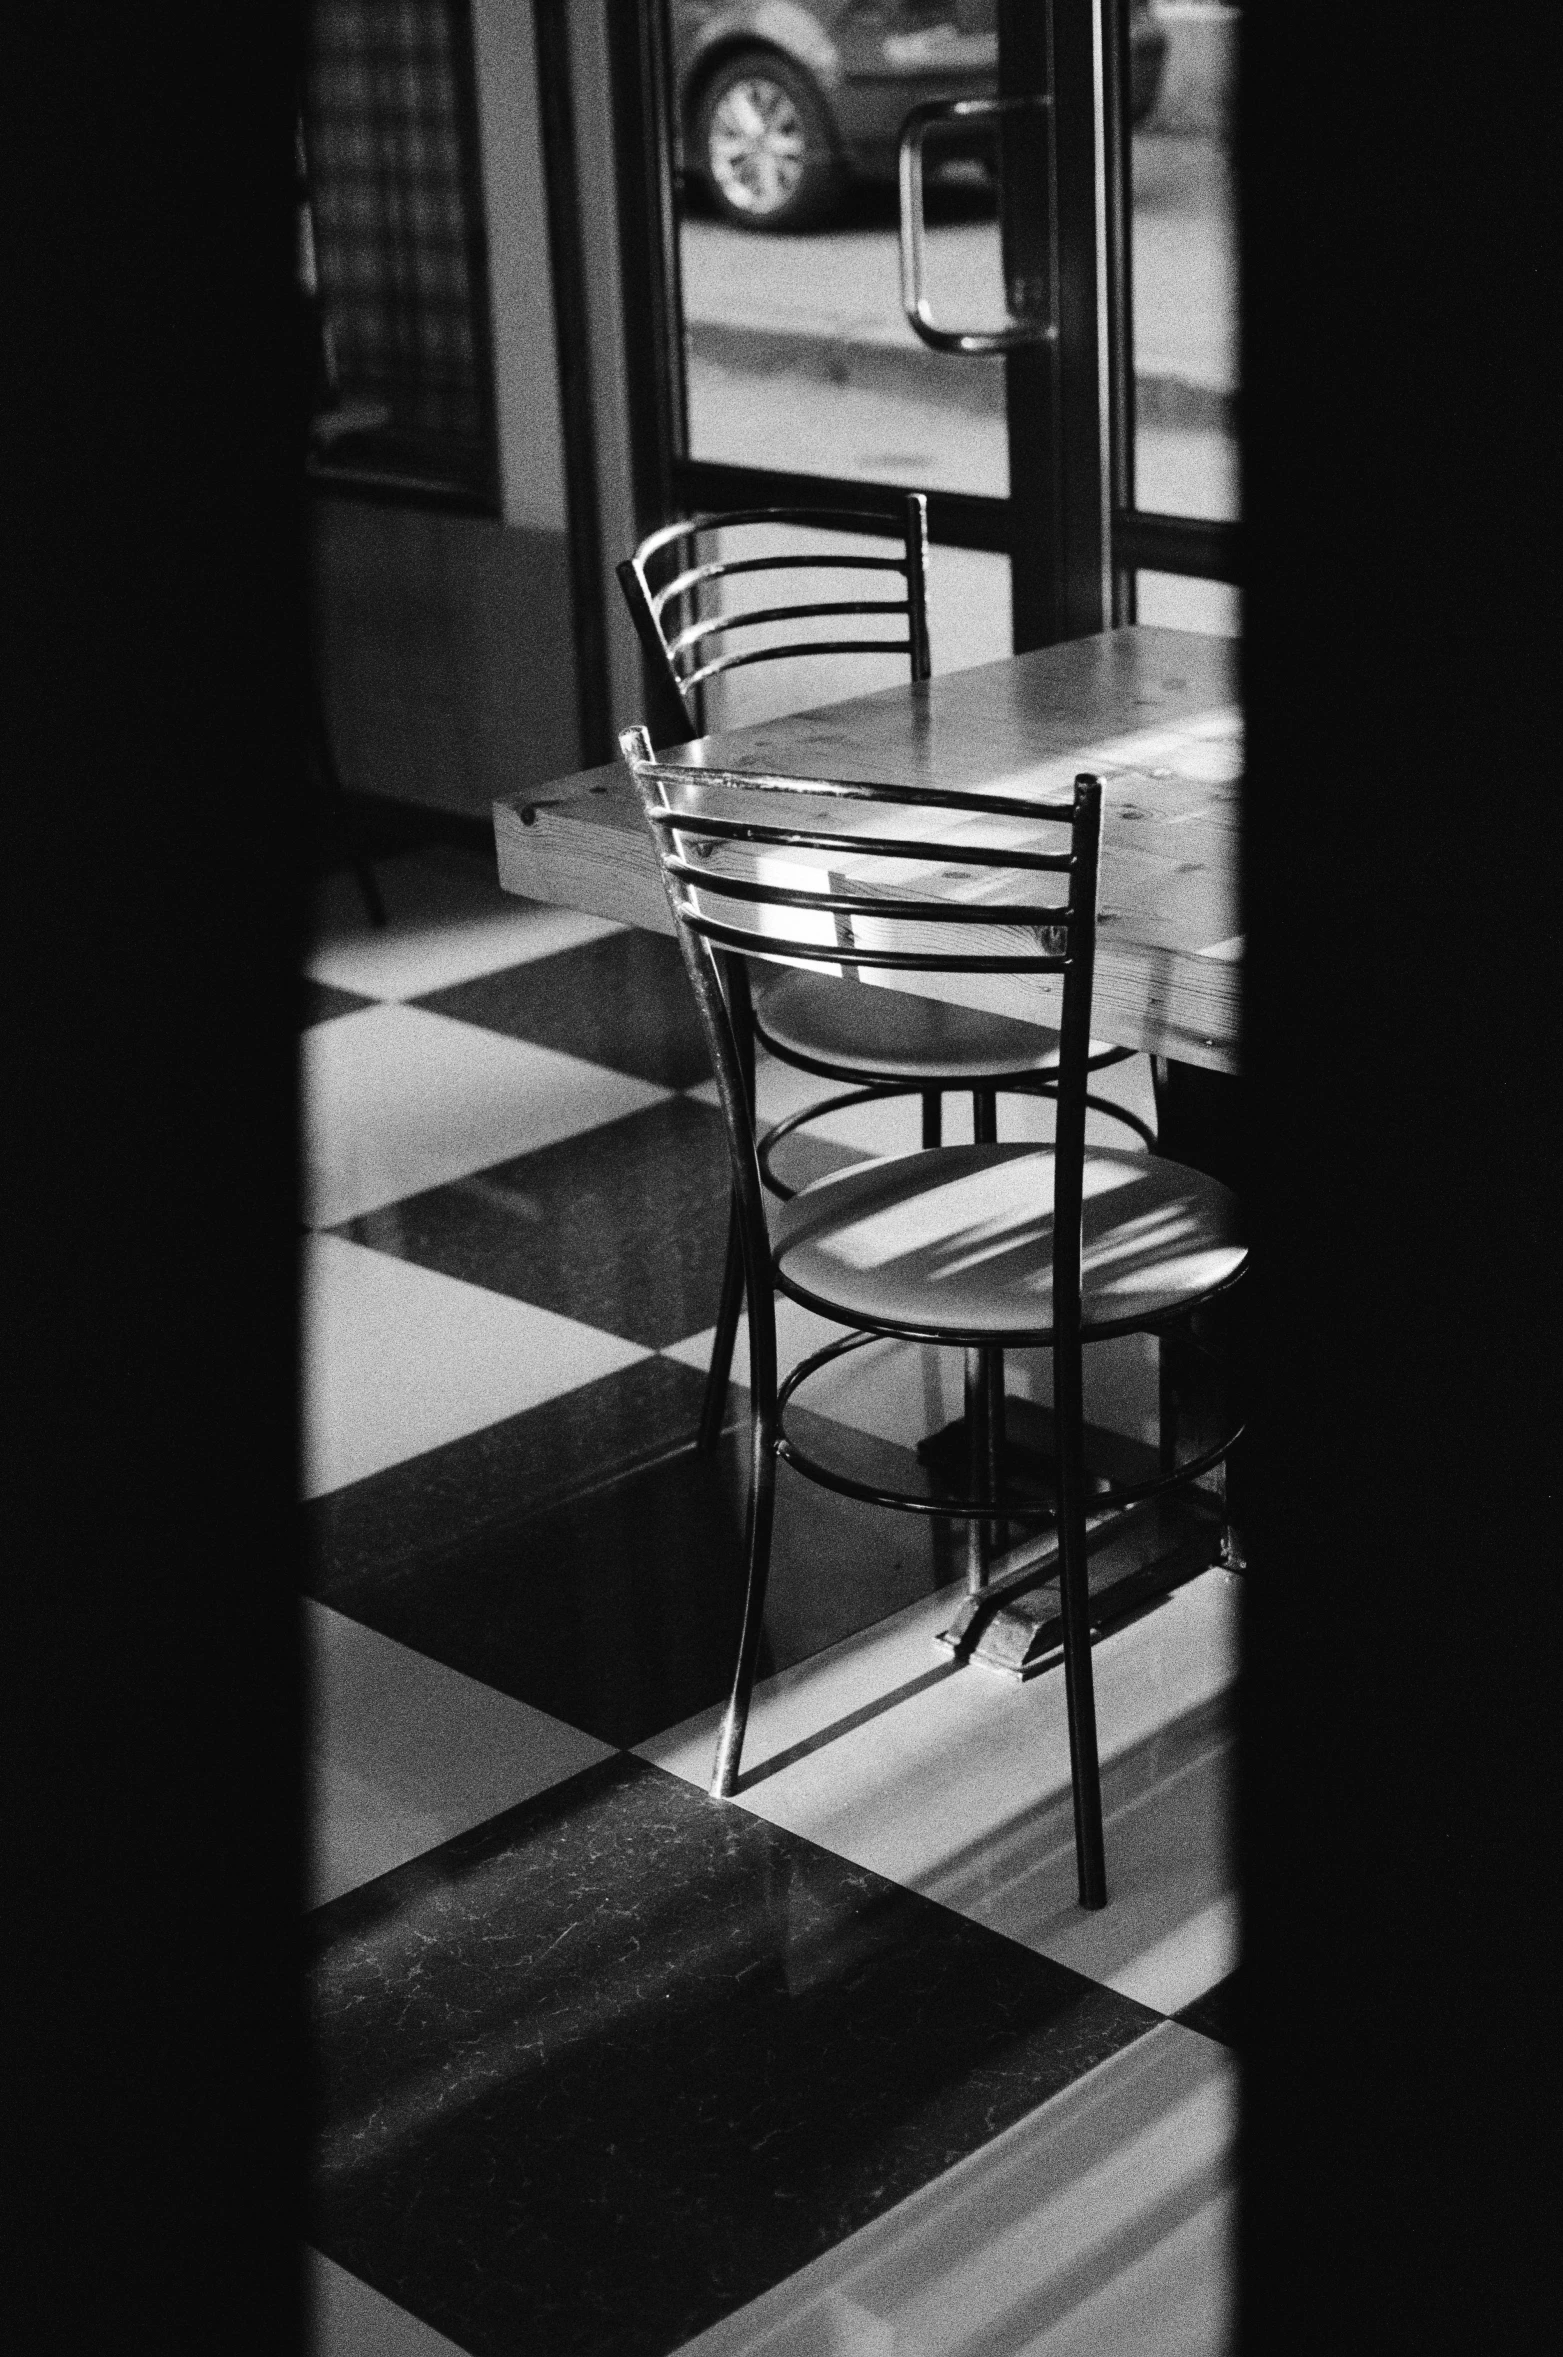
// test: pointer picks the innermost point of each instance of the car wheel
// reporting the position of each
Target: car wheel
(765, 144)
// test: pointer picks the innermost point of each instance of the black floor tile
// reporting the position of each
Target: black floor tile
(624, 1227)
(319, 1001)
(608, 2067)
(624, 1001)
(617, 1610)
(476, 1493)
(1219, 2013)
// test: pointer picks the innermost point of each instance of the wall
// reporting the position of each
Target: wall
(446, 654)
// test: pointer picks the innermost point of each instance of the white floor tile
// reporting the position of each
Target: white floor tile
(448, 921)
(405, 1753)
(399, 1359)
(1101, 2223)
(958, 1786)
(347, 2319)
(1174, 2300)
(396, 1100)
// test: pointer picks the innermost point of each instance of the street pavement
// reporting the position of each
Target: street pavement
(800, 355)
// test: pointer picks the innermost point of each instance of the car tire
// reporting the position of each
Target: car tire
(765, 145)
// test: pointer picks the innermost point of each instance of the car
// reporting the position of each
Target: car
(782, 105)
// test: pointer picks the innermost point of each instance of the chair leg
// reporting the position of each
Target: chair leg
(978, 1467)
(324, 760)
(1234, 1471)
(1075, 1614)
(984, 1395)
(713, 1405)
(369, 888)
(993, 1385)
(1166, 1402)
(762, 1507)
(933, 1117)
(1230, 1553)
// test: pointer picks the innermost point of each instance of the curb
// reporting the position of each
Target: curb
(911, 372)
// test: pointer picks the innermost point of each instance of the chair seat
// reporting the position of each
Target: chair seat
(858, 1031)
(957, 1242)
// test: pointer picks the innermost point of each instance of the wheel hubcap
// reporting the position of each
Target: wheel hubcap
(756, 146)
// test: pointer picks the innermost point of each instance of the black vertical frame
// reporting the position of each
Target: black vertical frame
(652, 291)
(1028, 207)
(641, 82)
(1118, 174)
(464, 66)
(1053, 390)
(572, 331)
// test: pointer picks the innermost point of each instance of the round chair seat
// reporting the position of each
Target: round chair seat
(854, 1031)
(958, 1242)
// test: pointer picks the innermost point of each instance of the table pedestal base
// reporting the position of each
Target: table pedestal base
(1012, 1625)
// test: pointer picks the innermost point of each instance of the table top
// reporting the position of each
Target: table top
(1152, 712)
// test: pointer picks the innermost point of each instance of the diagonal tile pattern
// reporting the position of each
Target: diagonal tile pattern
(417, 1753)
(398, 1359)
(398, 1100)
(622, 1943)
(621, 1001)
(606, 2065)
(447, 921)
(567, 1226)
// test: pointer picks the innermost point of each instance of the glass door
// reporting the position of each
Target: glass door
(815, 319)
(1172, 282)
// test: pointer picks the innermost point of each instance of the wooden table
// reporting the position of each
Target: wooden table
(1150, 711)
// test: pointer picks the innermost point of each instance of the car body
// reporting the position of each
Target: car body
(780, 104)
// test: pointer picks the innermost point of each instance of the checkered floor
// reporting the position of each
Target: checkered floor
(605, 2065)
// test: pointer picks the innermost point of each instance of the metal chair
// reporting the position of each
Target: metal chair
(982, 1248)
(883, 1043)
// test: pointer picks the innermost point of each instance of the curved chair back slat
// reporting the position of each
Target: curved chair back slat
(673, 619)
(718, 624)
(721, 568)
(895, 877)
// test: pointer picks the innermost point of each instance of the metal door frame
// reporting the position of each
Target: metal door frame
(1051, 525)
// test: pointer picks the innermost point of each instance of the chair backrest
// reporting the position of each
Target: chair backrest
(825, 872)
(671, 588)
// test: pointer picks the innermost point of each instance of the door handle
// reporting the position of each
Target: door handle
(1024, 328)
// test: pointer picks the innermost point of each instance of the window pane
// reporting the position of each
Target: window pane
(798, 353)
(968, 622)
(1185, 269)
(393, 220)
(1179, 603)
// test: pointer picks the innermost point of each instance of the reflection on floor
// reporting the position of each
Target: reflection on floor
(607, 2066)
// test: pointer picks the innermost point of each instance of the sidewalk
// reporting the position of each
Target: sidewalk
(828, 307)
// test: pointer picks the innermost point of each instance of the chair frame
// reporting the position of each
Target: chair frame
(666, 652)
(672, 799)
(676, 667)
